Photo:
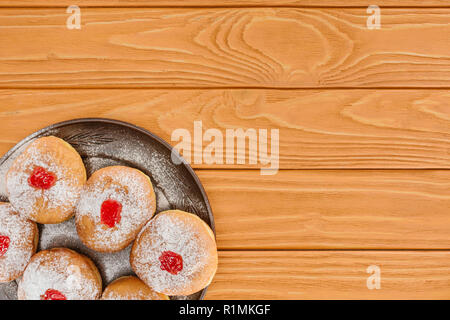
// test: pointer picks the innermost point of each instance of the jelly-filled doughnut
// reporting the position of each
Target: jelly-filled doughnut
(175, 253)
(18, 241)
(130, 288)
(45, 181)
(60, 274)
(115, 204)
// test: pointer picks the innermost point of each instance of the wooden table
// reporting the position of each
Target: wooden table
(364, 120)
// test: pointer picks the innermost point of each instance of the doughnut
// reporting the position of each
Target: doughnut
(114, 205)
(18, 241)
(45, 181)
(60, 274)
(175, 253)
(130, 288)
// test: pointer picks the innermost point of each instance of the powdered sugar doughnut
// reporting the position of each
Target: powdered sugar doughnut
(60, 274)
(18, 241)
(114, 206)
(45, 181)
(130, 288)
(175, 253)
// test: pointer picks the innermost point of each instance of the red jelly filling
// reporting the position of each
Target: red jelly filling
(110, 212)
(4, 245)
(41, 179)
(52, 294)
(171, 262)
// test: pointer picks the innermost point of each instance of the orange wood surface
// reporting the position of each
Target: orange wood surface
(222, 3)
(214, 47)
(329, 209)
(319, 129)
(331, 274)
(364, 120)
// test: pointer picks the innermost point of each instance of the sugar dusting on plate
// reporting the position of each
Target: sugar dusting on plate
(111, 265)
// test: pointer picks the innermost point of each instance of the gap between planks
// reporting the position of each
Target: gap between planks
(333, 250)
(3, 6)
(219, 88)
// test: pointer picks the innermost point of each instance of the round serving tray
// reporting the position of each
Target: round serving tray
(102, 143)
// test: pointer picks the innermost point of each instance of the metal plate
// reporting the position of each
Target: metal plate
(101, 143)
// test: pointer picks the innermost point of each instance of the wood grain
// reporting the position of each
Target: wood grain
(215, 3)
(242, 47)
(329, 209)
(330, 275)
(241, 55)
(318, 128)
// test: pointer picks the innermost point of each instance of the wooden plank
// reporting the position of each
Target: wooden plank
(219, 3)
(244, 47)
(318, 128)
(329, 209)
(331, 275)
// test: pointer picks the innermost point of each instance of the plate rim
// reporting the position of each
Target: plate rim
(133, 127)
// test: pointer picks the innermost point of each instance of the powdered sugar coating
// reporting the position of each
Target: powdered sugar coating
(59, 269)
(132, 189)
(184, 234)
(22, 233)
(57, 157)
(111, 265)
(174, 186)
(4, 168)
